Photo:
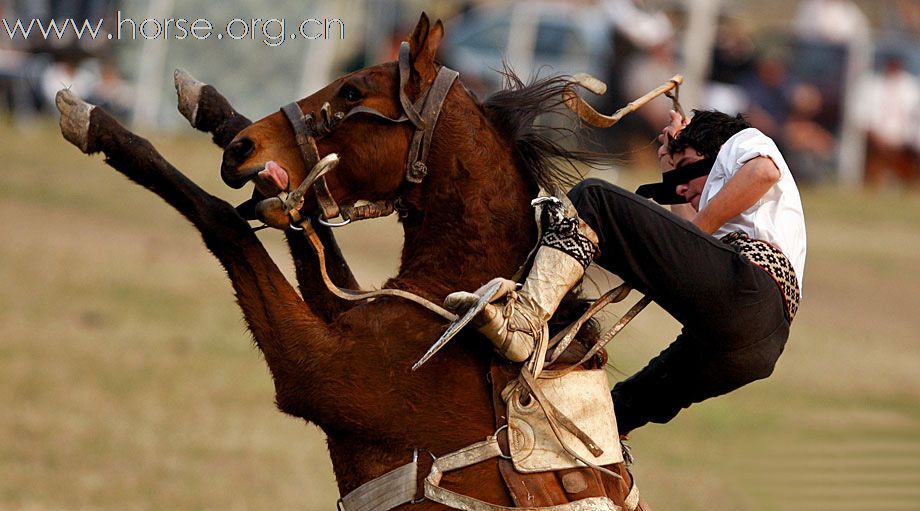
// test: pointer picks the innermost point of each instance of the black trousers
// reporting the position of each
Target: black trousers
(732, 312)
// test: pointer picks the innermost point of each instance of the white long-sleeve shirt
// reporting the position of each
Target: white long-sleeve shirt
(777, 217)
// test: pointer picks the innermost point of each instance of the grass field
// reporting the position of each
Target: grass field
(127, 379)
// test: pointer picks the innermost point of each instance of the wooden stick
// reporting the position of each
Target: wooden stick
(587, 113)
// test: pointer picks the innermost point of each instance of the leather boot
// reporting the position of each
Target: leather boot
(567, 247)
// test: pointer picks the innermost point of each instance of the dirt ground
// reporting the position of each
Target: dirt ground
(128, 381)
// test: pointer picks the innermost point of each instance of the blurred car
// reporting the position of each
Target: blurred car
(532, 37)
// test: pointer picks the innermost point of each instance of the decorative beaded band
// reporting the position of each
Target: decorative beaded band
(565, 236)
(773, 261)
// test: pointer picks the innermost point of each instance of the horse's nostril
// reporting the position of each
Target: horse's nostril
(238, 151)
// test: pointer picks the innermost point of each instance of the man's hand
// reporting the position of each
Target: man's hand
(676, 124)
(459, 302)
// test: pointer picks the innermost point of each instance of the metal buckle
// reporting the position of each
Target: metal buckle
(417, 172)
(330, 224)
(501, 454)
(415, 459)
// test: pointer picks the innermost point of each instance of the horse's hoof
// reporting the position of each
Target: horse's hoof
(75, 115)
(189, 91)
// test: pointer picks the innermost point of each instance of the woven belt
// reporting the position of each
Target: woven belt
(774, 262)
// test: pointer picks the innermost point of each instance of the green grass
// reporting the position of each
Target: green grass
(127, 379)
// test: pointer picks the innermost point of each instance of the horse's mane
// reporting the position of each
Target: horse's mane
(534, 117)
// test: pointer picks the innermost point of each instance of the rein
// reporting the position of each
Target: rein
(352, 295)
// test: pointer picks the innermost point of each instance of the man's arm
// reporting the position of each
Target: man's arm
(743, 190)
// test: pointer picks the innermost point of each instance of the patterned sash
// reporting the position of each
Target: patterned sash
(772, 261)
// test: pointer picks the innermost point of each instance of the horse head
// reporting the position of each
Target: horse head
(368, 118)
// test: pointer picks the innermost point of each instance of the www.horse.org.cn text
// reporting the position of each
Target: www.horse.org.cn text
(270, 31)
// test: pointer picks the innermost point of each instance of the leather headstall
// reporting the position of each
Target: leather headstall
(423, 114)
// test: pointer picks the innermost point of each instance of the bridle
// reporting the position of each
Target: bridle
(422, 114)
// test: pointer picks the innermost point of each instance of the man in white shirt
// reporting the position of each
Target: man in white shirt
(728, 267)
(887, 110)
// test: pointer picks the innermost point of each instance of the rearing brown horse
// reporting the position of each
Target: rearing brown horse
(346, 366)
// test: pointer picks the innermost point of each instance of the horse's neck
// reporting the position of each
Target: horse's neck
(476, 222)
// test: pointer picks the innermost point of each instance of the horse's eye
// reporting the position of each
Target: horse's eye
(350, 93)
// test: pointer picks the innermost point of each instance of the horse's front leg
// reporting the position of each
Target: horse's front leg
(294, 339)
(209, 111)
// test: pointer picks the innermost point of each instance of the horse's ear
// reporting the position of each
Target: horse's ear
(423, 45)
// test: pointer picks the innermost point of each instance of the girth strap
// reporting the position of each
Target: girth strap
(398, 486)
(479, 452)
(395, 488)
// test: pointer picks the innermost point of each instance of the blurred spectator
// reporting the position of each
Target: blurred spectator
(61, 10)
(90, 78)
(905, 17)
(71, 68)
(733, 53)
(16, 95)
(830, 37)
(642, 29)
(644, 59)
(768, 90)
(646, 71)
(831, 21)
(732, 60)
(887, 108)
(808, 147)
(386, 52)
(31, 78)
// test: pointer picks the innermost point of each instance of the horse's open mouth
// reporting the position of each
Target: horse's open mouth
(271, 180)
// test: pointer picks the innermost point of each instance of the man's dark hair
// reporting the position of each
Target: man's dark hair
(707, 131)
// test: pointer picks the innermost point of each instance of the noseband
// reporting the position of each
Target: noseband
(423, 114)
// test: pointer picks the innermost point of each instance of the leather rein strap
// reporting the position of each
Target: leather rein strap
(423, 114)
(352, 295)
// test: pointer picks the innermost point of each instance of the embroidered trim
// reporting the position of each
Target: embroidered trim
(563, 235)
(774, 262)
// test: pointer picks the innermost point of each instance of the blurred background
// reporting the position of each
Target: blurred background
(127, 380)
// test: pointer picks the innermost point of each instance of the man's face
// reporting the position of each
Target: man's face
(692, 189)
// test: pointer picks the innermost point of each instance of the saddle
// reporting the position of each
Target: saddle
(556, 487)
